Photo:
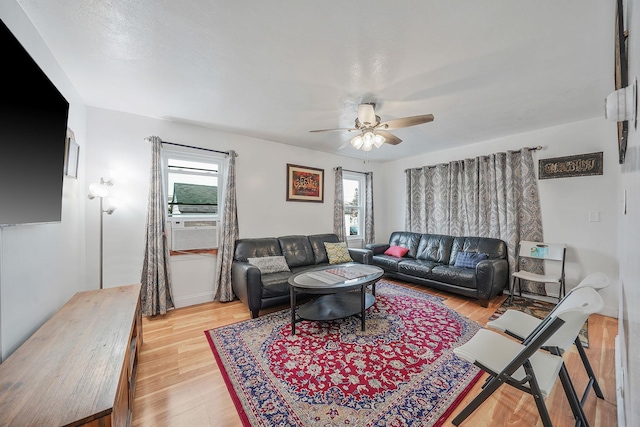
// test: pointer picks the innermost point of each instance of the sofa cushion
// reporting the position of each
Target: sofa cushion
(386, 262)
(417, 267)
(297, 250)
(270, 264)
(255, 248)
(465, 277)
(397, 251)
(407, 240)
(337, 252)
(435, 247)
(275, 284)
(494, 248)
(469, 259)
(317, 245)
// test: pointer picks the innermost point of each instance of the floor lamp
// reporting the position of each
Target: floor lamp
(101, 190)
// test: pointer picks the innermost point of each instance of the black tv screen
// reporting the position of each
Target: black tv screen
(33, 128)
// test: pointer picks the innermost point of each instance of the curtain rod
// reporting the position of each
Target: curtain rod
(195, 148)
(536, 148)
(347, 170)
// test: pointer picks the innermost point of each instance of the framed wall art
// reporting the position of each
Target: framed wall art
(305, 184)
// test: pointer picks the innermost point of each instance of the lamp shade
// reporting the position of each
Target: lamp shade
(378, 140)
(98, 190)
(620, 105)
(357, 142)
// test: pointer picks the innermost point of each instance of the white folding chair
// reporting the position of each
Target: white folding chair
(543, 251)
(520, 325)
(523, 365)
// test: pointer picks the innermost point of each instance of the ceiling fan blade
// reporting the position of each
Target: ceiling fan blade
(389, 138)
(335, 130)
(367, 114)
(405, 122)
(345, 145)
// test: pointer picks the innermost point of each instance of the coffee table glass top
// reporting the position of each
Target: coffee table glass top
(336, 276)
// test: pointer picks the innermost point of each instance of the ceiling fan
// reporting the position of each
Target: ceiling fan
(373, 132)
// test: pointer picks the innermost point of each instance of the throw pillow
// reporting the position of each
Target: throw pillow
(270, 264)
(469, 259)
(397, 251)
(337, 252)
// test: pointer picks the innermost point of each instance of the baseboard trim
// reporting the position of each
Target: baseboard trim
(194, 299)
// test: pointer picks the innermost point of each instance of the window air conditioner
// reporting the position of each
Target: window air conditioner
(193, 234)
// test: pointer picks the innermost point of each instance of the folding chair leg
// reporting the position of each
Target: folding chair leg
(520, 286)
(512, 289)
(592, 376)
(487, 391)
(537, 395)
(576, 406)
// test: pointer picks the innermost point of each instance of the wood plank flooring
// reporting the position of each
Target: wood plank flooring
(180, 384)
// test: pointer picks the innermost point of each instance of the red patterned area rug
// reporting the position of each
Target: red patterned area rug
(401, 371)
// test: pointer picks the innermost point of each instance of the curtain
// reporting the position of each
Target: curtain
(489, 196)
(156, 295)
(338, 206)
(228, 232)
(369, 229)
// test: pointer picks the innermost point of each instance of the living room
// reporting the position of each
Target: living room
(583, 212)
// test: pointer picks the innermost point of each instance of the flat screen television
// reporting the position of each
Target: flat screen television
(33, 128)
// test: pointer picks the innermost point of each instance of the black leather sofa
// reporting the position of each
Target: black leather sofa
(301, 253)
(431, 261)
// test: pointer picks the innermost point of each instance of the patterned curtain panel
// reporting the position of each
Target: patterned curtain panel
(338, 206)
(228, 232)
(156, 278)
(369, 225)
(489, 196)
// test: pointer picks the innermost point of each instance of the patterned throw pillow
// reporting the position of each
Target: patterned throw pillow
(270, 264)
(397, 251)
(337, 252)
(469, 259)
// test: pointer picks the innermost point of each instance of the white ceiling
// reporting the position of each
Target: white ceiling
(276, 69)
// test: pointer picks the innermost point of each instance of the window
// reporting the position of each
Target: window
(193, 183)
(353, 192)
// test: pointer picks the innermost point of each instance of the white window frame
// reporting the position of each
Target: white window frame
(360, 178)
(191, 155)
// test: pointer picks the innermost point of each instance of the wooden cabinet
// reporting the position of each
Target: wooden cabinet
(79, 368)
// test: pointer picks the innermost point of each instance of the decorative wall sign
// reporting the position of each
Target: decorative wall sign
(563, 167)
(305, 184)
(72, 152)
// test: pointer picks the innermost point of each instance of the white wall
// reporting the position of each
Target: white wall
(117, 142)
(630, 242)
(42, 266)
(565, 202)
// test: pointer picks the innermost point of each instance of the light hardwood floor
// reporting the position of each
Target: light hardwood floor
(179, 382)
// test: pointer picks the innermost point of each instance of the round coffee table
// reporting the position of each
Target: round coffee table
(336, 285)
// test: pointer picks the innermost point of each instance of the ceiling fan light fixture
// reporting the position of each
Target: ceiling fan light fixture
(357, 142)
(378, 140)
(368, 138)
(368, 124)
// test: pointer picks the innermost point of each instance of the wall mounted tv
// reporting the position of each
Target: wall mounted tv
(33, 128)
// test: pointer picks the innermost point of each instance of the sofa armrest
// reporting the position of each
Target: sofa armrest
(363, 256)
(246, 282)
(377, 248)
(492, 276)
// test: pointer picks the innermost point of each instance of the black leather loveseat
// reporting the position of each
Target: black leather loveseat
(259, 290)
(436, 261)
